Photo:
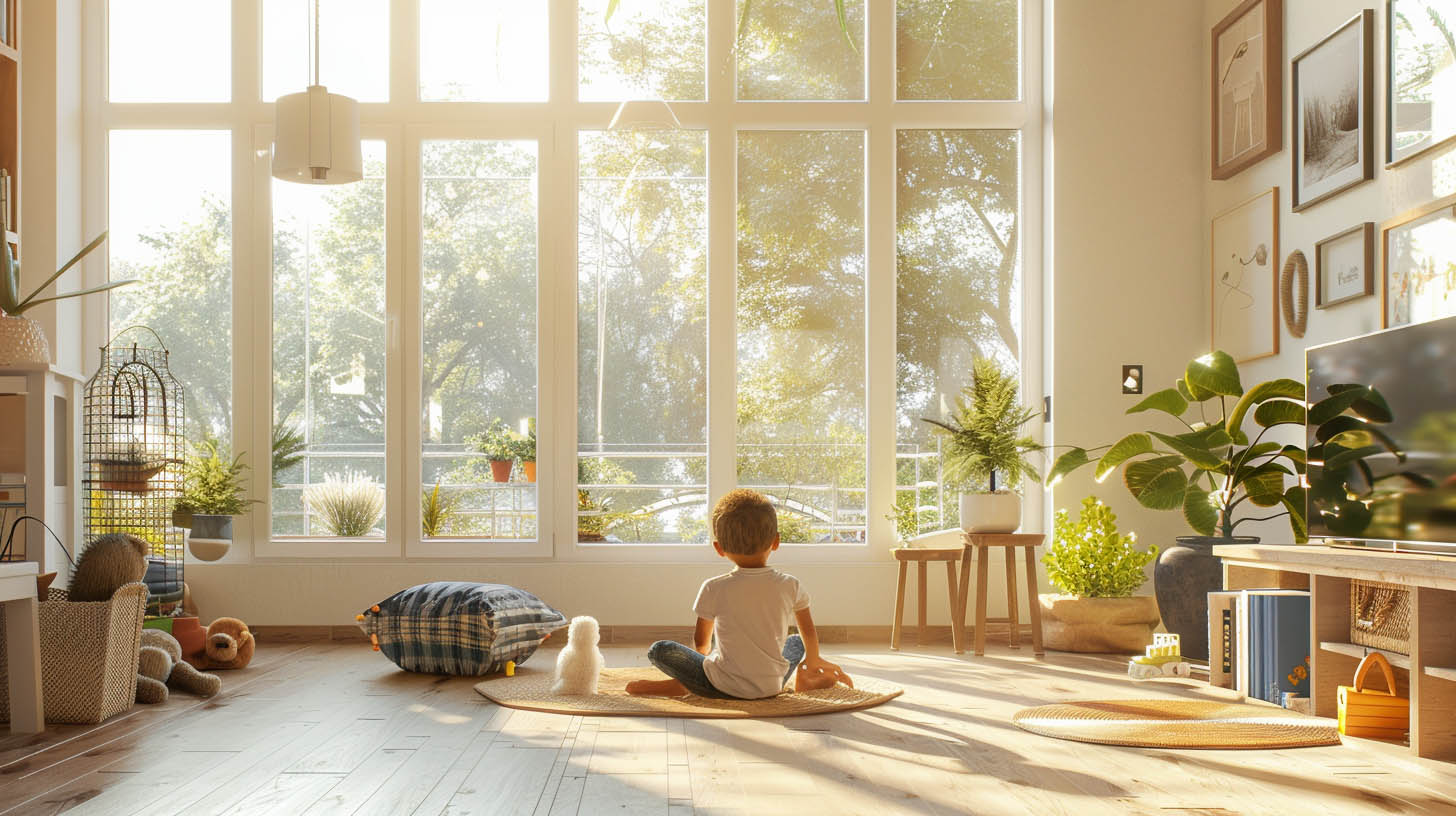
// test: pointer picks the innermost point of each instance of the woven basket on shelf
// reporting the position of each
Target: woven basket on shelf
(1380, 616)
(88, 655)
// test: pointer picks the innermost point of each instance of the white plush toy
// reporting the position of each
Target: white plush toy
(579, 665)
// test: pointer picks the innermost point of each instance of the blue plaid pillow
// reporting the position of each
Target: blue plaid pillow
(459, 628)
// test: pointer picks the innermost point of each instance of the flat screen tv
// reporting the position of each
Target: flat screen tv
(1403, 500)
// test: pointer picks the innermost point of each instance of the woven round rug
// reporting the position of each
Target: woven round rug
(1177, 724)
(531, 691)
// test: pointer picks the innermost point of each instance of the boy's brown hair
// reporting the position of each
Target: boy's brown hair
(745, 522)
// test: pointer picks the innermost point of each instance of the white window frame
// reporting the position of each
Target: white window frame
(404, 122)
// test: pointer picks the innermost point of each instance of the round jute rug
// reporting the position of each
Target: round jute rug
(531, 691)
(1178, 724)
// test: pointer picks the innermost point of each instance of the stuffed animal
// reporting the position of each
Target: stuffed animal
(107, 564)
(229, 644)
(160, 667)
(580, 663)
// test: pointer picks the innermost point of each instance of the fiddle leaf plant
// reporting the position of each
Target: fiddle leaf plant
(1210, 467)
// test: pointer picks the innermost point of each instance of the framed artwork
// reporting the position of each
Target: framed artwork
(1418, 254)
(1332, 125)
(1344, 266)
(1420, 76)
(1248, 86)
(1243, 285)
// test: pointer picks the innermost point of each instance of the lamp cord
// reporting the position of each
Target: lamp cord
(10, 539)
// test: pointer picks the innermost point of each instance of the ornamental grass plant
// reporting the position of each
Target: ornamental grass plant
(348, 506)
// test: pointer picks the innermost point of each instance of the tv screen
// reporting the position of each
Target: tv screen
(1385, 473)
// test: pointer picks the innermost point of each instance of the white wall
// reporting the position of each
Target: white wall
(1392, 192)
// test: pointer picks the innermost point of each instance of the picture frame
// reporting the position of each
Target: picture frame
(1247, 87)
(1418, 118)
(1243, 280)
(1331, 128)
(1344, 266)
(1418, 264)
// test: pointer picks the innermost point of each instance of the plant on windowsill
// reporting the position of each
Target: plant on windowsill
(213, 486)
(985, 453)
(500, 445)
(436, 510)
(1097, 570)
(349, 506)
(526, 450)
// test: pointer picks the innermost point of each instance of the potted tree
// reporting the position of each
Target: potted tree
(499, 444)
(985, 453)
(1097, 570)
(212, 493)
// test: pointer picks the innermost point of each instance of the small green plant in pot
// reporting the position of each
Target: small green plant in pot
(986, 452)
(213, 489)
(526, 450)
(1097, 570)
(500, 445)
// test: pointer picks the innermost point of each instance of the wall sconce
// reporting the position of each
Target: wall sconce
(1132, 379)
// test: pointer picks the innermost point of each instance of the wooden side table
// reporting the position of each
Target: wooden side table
(922, 556)
(979, 545)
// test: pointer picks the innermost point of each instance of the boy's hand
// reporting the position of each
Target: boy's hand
(818, 673)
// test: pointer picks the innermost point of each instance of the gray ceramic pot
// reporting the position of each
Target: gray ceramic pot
(1186, 572)
(216, 528)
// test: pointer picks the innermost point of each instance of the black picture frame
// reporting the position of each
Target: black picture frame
(1364, 140)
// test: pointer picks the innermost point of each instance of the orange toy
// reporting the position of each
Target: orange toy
(1374, 714)
(229, 644)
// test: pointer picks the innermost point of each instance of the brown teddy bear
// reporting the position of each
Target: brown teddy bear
(160, 667)
(229, 644)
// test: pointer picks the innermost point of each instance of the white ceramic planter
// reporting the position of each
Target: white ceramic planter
(990, 512)
(22, 342)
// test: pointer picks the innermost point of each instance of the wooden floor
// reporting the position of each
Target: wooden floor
(332, 727)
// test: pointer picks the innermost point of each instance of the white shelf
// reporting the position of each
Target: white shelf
(1443, 672)
(1355, 650)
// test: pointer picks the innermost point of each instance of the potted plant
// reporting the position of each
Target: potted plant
(436, 510)
(1097, 570)
(499, 444)
(212, 493)
(348, 506)
(985, 453)
(526, 450)
(21, 339)
(1208, 469)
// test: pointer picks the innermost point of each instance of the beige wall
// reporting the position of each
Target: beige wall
(1393, 191)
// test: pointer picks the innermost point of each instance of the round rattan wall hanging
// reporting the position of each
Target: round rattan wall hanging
(1295, 304)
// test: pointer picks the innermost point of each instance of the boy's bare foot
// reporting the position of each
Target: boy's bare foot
(656, 688)
(807, 679)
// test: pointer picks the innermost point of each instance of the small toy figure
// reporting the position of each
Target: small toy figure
(579, 665)
(1162, 659)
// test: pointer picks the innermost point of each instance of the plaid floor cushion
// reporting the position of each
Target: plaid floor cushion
(459, 628)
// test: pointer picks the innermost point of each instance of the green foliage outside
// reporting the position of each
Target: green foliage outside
(436, 511)
(213, 484)
(1089, 559)
(983, 437)
(289, 449)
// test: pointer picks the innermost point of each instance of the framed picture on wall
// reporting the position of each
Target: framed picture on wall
(1344, 266)
(1332, 124)
(1420, 77)
(1418, 255)
(1243, 285)
(1248, 86)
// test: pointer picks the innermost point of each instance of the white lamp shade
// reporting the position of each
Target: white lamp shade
(316, 138)
(644, 114)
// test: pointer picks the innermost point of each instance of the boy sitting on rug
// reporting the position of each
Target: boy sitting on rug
(750, 609)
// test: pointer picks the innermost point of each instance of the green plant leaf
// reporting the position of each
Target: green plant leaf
(843, 15)
(1294, 502)
(1169, 401)
(1213, 375)
(1265, 487)
(1282, 387)
(1065, 464)
(1357, 429)
(1200, 515)
(1344, 457)
(1183, 390)
(1193, 448)
(612, 9)
(1363, 400)
(1157, 484)
(1279, 412)
(33, 301)
(1135, 444)
(75, 259)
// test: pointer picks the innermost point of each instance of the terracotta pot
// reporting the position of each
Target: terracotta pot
(500, 470)
(1104, 625)
(990, 512)
(1182, 579)
(530, 469)
(22, 342)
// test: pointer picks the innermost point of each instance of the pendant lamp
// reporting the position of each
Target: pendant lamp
(316, 133)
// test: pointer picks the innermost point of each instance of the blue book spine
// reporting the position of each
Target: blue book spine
(1291, 645)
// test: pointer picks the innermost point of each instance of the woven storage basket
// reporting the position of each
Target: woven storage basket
(1380, 616)
(88, 656)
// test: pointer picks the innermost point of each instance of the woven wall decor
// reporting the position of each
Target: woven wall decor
(1294, 302)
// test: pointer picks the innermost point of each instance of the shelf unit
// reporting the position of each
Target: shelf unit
(39, 427)
(10, 118)
(1425, 675)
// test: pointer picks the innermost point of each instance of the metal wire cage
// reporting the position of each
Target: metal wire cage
(133, 456)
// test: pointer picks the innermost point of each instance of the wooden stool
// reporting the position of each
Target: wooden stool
(981, 543)
(922, 556)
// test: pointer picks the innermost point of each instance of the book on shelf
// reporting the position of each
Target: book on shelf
(1273, 643)
(1222, 640)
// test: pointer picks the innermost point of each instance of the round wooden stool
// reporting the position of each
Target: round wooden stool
(922, 556)
(979, 545)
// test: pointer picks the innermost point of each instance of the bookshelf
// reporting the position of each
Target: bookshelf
(1427, 675)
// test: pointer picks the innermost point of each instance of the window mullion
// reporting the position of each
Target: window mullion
(880, 314)
(722, 254)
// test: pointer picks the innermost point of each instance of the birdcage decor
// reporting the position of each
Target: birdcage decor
(133, 455)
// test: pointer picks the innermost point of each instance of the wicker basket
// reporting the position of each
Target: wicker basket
(88, 656)
(1380, 616)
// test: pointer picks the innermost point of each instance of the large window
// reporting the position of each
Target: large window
(529, 331)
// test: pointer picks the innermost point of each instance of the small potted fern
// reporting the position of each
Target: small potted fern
(1097, 569)
(986, 452)
(212, 494)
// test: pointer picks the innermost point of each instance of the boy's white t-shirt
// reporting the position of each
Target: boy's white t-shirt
(752, 609)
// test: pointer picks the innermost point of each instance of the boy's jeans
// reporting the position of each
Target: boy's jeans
(685, 665)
